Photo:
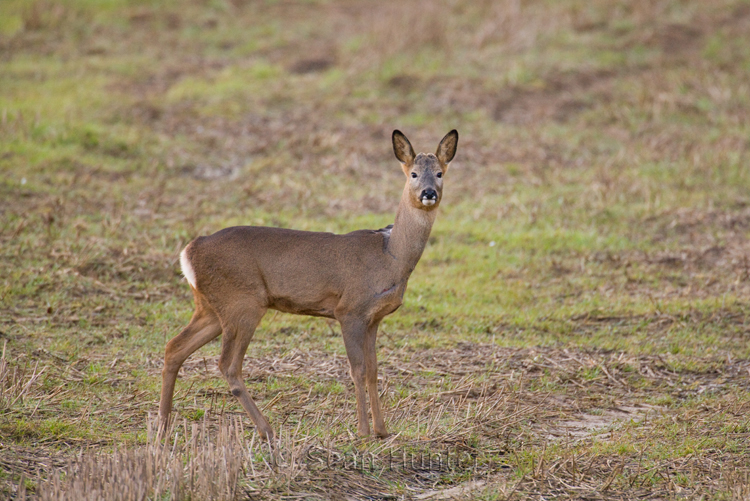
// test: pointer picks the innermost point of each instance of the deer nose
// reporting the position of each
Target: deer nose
(428, 194)
(428, 197)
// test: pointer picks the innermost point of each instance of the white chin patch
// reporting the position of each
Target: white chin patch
(428, 201)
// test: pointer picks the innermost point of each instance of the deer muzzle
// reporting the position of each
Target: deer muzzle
(428, 197)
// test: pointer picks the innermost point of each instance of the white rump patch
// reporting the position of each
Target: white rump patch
(187, 268)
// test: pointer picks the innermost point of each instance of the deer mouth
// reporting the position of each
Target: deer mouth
(428, 201)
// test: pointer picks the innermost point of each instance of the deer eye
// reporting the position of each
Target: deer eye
(414, 175)
(439, 174)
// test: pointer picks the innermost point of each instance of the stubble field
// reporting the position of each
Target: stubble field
(577, 326)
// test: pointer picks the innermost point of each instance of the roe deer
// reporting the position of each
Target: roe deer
(358, 278)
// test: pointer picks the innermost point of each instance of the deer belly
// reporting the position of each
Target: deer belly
(315, 308)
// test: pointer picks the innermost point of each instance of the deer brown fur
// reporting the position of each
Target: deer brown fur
(238, 273)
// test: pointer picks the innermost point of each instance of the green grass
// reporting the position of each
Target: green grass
(590, 251)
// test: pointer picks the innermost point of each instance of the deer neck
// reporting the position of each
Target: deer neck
(409, 235)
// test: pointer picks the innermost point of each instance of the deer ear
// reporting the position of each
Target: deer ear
(447, 148)
(402, 148)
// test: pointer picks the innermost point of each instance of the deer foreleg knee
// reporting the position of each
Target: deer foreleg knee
(357, 372)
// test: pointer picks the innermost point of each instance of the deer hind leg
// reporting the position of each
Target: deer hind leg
(239, 327)
(354, 331)
(203, 327)
(371, 374)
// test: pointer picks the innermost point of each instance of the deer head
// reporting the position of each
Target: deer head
(424, 172)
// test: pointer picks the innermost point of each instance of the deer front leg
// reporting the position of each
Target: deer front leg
(355, 332)
(371, 373)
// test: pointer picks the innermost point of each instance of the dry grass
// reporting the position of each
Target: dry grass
(179, 464)
(15, 382)
(577, 327)
(463, 437)
(216, 459)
